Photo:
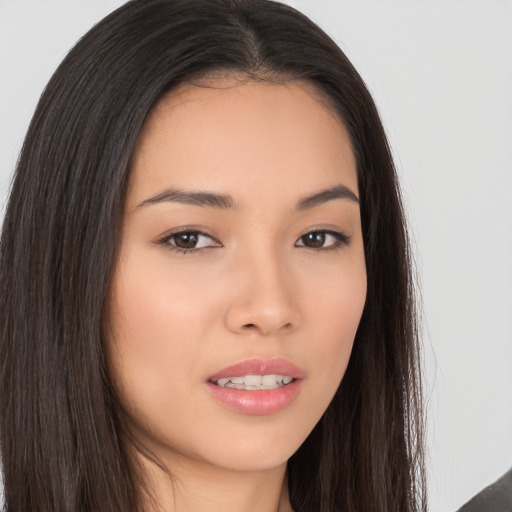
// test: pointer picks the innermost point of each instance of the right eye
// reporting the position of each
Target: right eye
(188, 241)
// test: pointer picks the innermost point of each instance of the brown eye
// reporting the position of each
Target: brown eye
(185, 240)
(322, 240)
(189, 241)
(314, 240)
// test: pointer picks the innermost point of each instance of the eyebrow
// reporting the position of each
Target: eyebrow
(222, 201)
(207, 199)
(337, 192)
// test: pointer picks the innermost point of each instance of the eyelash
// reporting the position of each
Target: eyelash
(341, 240)
(166, 241)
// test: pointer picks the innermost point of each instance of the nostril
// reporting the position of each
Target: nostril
(250, 327)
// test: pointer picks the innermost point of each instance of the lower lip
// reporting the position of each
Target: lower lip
(257, 402)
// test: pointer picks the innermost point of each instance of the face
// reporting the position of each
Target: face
(241, 277)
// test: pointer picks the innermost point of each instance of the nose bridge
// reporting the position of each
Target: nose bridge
(264, 299)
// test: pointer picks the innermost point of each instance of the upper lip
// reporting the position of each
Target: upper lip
(276, 365)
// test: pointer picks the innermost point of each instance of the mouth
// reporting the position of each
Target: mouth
(257, 386)
(255, 382)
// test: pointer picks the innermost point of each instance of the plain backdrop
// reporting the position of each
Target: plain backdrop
(441, 74)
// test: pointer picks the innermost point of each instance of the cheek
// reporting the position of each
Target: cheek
(335, 307)
(155, 354)
(156, 310)
(154, 338)
(142, 323)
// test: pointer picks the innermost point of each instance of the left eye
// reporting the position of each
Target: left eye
(189, 240)
(322, 240)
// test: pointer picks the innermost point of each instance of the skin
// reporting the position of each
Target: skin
(254, 289)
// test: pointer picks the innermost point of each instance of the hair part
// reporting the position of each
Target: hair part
(63, 441)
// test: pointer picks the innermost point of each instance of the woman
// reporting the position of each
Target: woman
(206, 229)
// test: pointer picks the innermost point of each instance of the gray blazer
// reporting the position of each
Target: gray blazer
(497, 497)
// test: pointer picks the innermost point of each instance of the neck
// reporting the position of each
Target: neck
(195, 486)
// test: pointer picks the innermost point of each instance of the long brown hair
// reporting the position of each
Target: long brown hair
(62, 441)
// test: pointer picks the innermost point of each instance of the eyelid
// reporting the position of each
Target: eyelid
(164, 240)
(341, 238)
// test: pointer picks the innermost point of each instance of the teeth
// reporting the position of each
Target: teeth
(269, 380)
(254, 382)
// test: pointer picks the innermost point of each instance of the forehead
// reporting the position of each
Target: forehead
(231, 134)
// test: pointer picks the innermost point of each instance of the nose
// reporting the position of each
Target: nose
(265, 299)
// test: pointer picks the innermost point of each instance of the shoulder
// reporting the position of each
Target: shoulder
(497, 497)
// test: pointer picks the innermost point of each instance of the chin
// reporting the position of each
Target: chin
(262, 449)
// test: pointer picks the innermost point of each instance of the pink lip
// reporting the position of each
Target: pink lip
(257, 402)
